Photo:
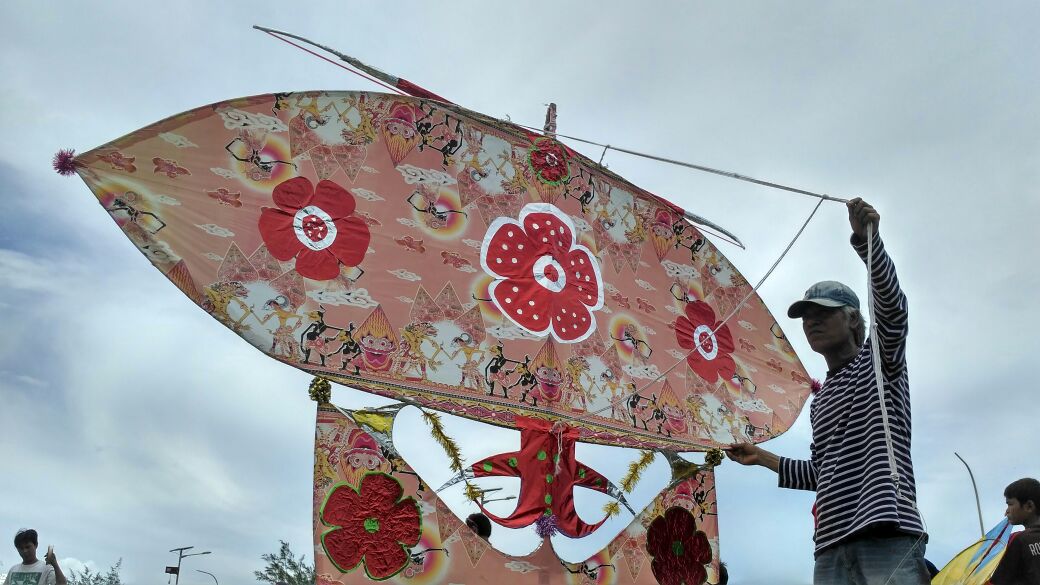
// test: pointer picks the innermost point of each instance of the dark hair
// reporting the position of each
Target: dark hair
(1024, 490)
(482, 523)
(26, 535)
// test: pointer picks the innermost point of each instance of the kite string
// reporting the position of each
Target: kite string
(875, 355)
(696, 167)
(614, 403)
(879, 382)
(340, 65)
(588, 142)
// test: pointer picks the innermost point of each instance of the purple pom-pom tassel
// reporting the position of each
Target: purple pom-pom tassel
(815, 386)
(545, 525)
(64, 162)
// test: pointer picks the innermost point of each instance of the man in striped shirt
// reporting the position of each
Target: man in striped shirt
(868, 528)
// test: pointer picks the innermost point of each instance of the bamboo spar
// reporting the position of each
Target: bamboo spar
(978, 504)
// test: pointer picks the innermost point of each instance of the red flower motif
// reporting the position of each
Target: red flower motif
(225, 197)
(119, 161)
(679, 550)
(170, 168)
(548, 158)
(371, 524)
(545, 282)
(712, 356)
(315, 226)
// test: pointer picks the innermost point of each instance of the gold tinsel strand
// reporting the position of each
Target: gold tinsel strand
(635, 471)
(713, 457)
(451, 448)
(320, 390)
(612, 509)
(473, 492)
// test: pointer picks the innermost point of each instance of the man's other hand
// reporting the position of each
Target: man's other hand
(862, 214)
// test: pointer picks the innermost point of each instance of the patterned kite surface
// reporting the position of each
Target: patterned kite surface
(373, 520)
(420, 251)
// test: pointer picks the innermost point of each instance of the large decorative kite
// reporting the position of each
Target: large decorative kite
(408, 247)
(413, 249)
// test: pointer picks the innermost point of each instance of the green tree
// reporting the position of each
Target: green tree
(282, 567)
(88, 577)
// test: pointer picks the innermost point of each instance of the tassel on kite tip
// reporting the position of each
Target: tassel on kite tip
(64, 162)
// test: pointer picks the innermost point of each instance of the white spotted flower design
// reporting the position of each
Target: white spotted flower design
(545, 283)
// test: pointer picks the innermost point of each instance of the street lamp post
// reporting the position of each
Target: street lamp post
(181, 555)
(210, 574)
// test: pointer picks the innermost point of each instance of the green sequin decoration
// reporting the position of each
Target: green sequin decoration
(548, 499)
(548, 478)
(677, 548)
(487, 467)
(371, 525)
(513, 462)
(542, 455)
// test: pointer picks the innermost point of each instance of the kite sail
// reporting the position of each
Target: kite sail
(420, 251)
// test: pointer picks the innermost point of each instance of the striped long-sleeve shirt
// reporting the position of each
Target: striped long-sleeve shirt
(848, 465)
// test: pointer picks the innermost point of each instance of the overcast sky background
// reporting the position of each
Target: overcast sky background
(134, 423)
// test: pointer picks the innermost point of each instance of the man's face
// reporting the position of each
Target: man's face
(1018, 513)
(27, 550)
(826, 328)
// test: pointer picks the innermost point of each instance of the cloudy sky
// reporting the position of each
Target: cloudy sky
(133, 423)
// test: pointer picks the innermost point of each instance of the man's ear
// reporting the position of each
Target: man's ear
(1030, 506)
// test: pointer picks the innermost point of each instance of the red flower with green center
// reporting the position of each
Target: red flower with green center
(316, 226)
(548, 158)
(679, 550)
(372, 524)
(711, 342)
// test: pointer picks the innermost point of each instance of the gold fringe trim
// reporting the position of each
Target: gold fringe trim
(451, 449)
(612, 509)
(473, 492)
(635, 471)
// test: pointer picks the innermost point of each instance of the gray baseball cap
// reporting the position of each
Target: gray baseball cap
(827, 293)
